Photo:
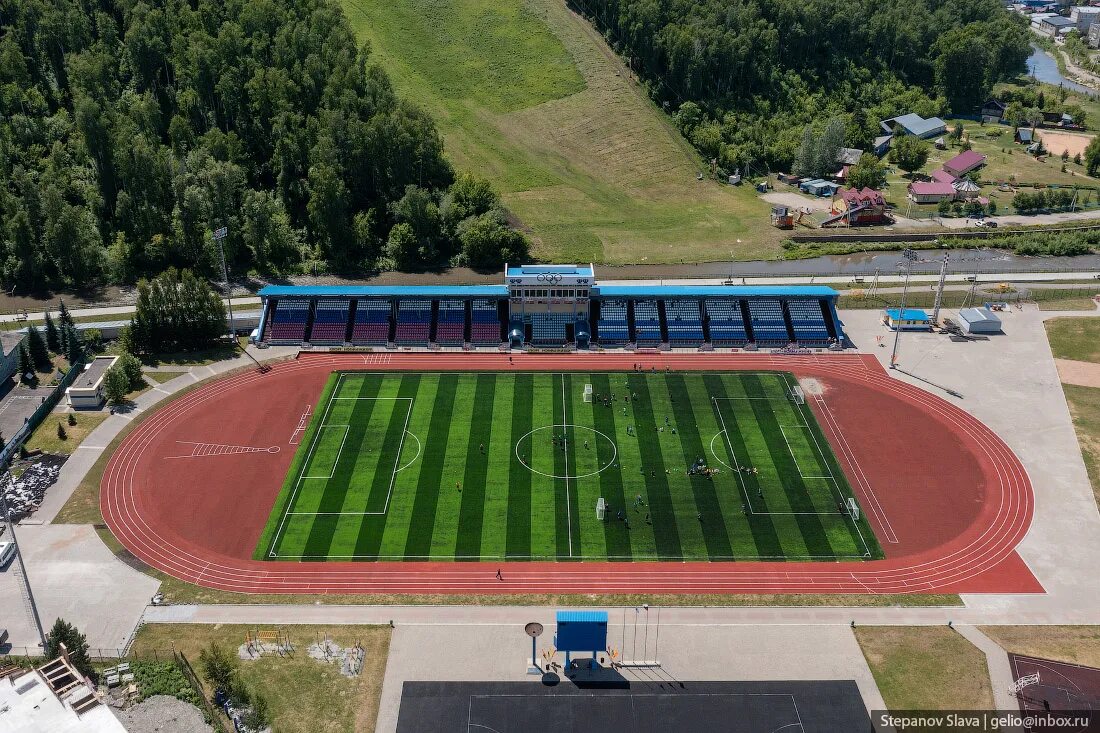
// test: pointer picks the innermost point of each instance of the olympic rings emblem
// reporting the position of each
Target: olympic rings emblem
(549, 277)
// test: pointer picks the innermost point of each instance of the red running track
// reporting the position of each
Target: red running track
(948, 500)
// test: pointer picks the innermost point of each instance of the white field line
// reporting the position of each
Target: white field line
(298, 483)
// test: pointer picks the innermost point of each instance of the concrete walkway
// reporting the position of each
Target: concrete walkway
(1000, 674)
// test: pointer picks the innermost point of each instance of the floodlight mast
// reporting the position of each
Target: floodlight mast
(909, 255)
(22, 569)
(219, 235)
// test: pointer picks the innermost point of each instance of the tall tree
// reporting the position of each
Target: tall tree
(76, 646)
(909, 152)
(176, 311)
(37, 350)
(53, 341)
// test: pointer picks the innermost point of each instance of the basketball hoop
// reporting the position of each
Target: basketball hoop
(1026, 681)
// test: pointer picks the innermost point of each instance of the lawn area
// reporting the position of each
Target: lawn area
(162, 377)
(926, 668)
(417, 466)
(529, 96)
(1006, 163)
(1074, 338)
(304, 695)
(1084, 406)
(1090, 105)
(1073, 644)
(45, 438)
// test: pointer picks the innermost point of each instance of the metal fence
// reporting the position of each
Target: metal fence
(48, 403)
(964, 298)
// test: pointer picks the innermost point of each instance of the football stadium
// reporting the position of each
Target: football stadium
(594, 437)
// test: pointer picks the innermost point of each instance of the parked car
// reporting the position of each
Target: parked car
(988, 223)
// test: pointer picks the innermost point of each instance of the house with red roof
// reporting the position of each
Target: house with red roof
(964, 163)
(930, 192)
(854, 207)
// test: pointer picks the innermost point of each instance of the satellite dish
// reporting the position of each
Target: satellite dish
(533, 629)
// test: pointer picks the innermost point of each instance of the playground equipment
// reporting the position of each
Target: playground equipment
(268, 641)
(640, 631)
(782, 217)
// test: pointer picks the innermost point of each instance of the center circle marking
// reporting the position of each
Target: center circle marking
(601, 469)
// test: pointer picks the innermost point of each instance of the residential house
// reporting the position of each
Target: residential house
(930, 192)
(993, 110)
(846, 158)
(858, 206)
(1093, 37)
(941, 176)
(882, 144)
(963, 163)
(1023, 135)
(914, 124)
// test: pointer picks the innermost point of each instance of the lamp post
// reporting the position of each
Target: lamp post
(22, 569)
(909, 255)
(219, 235)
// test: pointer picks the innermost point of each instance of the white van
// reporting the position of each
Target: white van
(7, 552)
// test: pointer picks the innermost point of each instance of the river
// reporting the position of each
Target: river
(1042, 66)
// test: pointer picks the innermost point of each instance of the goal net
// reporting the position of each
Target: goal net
(588, 393)
(853, 508)
(797, 395)
(601, 509)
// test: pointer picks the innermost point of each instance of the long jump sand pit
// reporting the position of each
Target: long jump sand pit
(1057, 141)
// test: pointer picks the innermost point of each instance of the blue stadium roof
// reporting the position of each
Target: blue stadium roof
(384, 291)
(736, 291)
(578, 270)
(583, 616)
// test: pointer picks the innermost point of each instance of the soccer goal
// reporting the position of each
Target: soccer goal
(601, 509)
(797, 395)
(588, 393)
(853, 508)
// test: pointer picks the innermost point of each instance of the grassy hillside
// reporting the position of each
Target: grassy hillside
(528, 95)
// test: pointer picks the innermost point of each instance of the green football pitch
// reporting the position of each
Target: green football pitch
(469, 466)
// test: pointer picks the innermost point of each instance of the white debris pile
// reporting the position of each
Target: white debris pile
(349, 660)
(25, 493)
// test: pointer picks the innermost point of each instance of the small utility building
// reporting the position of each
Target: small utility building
(86, 393)
(910, 319)
(979, 320)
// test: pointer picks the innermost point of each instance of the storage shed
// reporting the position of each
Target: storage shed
(979, 320)
(910, 319)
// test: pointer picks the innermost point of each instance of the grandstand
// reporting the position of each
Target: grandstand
(552, 306)
(725, 322)
(288, 319)
(372, 322)
(612, 327)
(484, 322)
(330, 321)
(769, 327)
(685, 323)
(450, 327)
(414, 322)
(647, 323)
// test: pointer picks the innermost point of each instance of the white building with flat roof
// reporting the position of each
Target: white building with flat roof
(54, 698)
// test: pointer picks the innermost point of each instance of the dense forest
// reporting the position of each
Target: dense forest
(131, 129)
(745, 77)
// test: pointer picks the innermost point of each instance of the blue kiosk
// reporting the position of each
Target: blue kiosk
(581, 631)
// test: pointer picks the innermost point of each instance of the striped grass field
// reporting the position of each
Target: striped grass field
(490, 466)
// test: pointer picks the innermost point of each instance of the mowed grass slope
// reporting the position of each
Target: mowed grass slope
(528, 95)
(510, 466)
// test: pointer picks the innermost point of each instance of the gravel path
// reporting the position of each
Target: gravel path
(163, 714)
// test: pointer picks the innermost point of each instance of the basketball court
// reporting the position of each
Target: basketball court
(741, 707)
